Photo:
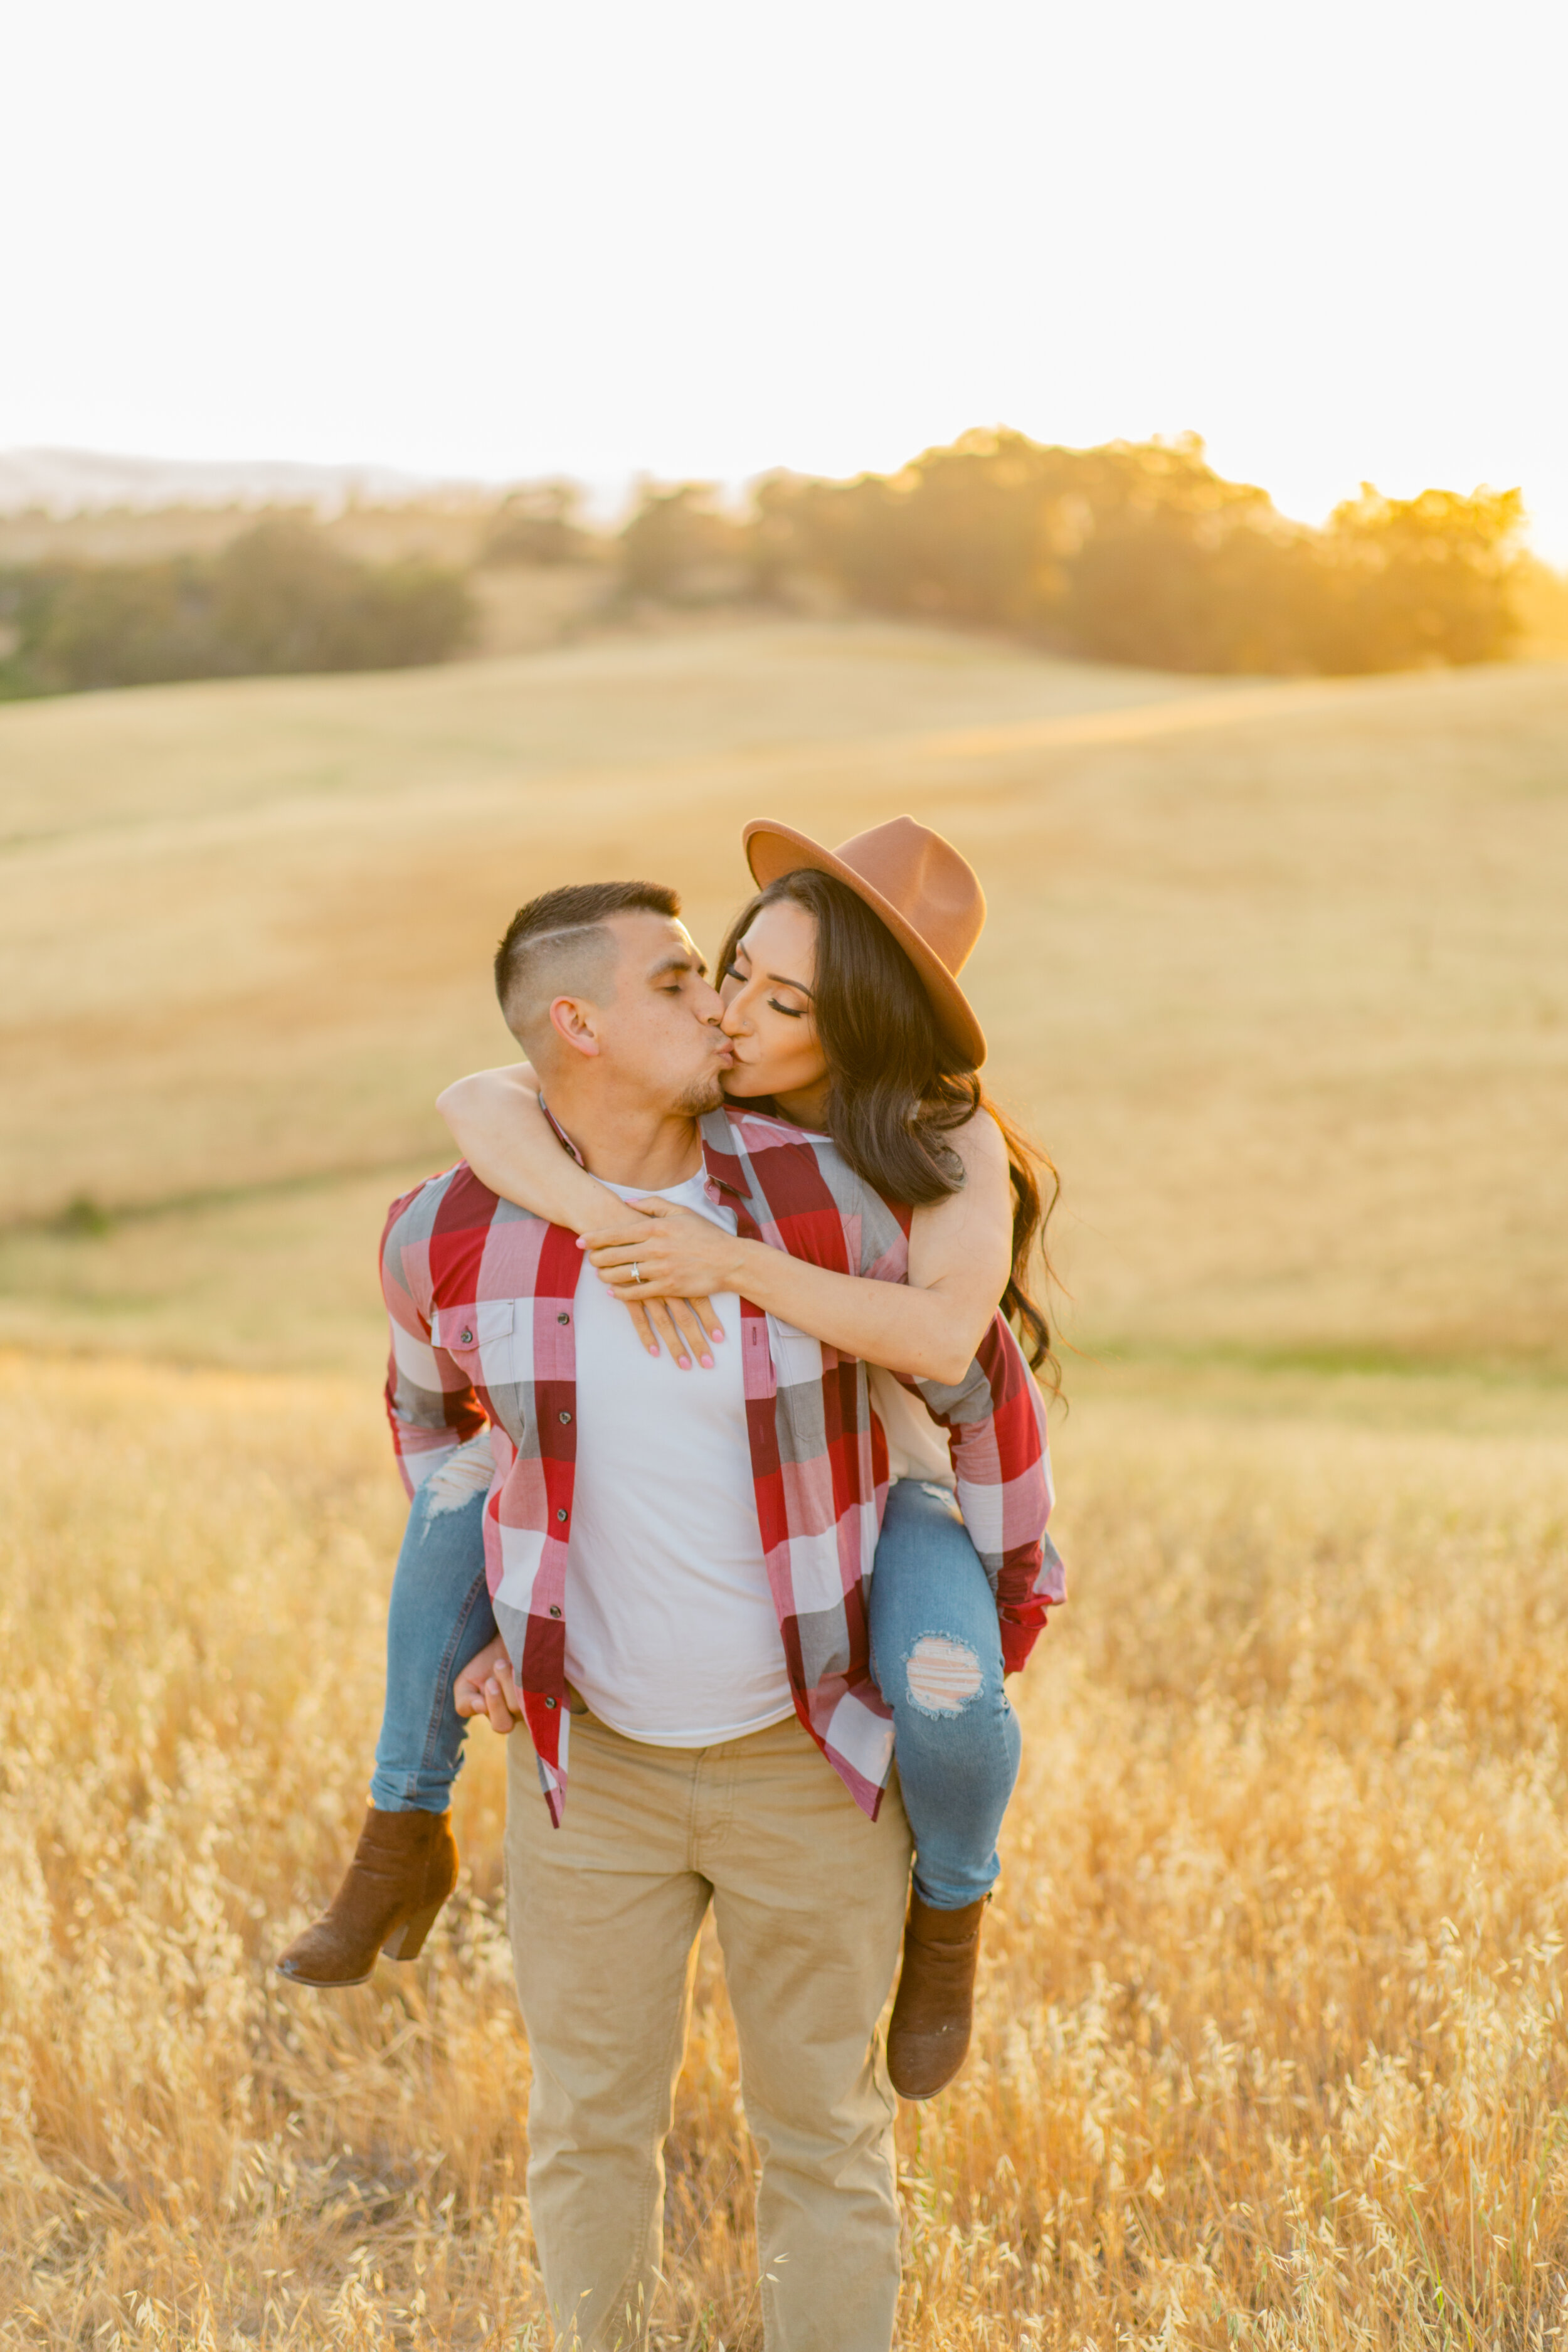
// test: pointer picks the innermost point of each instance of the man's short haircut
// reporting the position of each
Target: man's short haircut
(558, 945)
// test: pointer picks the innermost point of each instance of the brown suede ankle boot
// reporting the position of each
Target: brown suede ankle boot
(405, 1867)
(928, 2039)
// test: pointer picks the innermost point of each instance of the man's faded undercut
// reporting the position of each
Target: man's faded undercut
(559, 944)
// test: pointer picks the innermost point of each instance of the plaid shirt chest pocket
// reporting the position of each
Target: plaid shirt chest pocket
(480, 1338)
(796, 1356)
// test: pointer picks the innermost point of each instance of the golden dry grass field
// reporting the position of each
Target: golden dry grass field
(1272, 2047)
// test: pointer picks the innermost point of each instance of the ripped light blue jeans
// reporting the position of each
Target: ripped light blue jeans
(936, 1653)
(439, 1616)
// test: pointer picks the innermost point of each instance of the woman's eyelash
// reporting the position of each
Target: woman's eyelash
(790, 1012)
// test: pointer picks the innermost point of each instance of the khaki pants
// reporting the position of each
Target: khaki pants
(808, 1899)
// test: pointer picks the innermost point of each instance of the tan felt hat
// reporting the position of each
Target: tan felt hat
(929, 897)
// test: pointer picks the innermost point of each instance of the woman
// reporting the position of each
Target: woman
(841, 1001)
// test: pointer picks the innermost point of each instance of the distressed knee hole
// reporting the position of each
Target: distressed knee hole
(943, 1674)
(462, 1476)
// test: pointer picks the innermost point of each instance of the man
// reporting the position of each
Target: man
(685, 1562)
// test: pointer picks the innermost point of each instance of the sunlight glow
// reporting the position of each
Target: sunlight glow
(503, 240)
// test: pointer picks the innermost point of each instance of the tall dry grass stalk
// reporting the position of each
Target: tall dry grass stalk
(1271, 2048)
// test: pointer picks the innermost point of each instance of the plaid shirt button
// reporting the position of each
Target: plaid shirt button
(564, 1318)
(555, 1609)
(565, 1416)
(561, 1514)
(550, 1702)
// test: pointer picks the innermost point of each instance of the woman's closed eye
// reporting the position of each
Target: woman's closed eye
(742, 979)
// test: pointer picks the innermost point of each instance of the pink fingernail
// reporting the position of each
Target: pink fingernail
(685, 1362)
(707, 1363)
(653, 1351)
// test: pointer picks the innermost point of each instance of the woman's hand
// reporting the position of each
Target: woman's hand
(683, 1324)
(664, 1252)
(502, 1132)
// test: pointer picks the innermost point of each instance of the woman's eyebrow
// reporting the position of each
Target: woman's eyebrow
(778, 977)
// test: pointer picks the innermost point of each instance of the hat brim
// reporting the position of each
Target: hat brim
(773, 850)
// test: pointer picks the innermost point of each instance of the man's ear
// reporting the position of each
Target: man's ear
(571, 1017)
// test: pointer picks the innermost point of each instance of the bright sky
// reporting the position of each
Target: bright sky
(502, 237)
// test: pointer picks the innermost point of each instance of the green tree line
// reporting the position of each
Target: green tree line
(1136, 551)
(278, 598)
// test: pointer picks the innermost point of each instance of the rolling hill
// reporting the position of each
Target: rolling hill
(1278, 973)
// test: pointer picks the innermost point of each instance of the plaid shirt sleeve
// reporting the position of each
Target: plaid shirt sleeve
(431, 1402)
(995, 1423)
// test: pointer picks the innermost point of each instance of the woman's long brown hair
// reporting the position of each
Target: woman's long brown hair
(899, 1090)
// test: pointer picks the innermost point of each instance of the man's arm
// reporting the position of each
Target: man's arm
(431, 1403)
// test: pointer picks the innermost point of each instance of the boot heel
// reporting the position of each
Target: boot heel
(406, 1942)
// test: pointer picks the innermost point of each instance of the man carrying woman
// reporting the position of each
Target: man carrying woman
(670, 1583)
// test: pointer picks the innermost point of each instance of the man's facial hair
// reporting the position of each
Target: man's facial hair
(706, 1095)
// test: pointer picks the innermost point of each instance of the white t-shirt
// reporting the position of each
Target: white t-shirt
(672, 1632)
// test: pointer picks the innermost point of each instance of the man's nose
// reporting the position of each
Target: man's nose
(709, 1005)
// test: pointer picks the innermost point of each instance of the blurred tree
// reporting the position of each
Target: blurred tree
(540, 522)
(82, 625)
(284, 599)
(1179, 569)
(682, 547)
(277, 598)
(1422, 580)
(1139, 552)
(964, 533)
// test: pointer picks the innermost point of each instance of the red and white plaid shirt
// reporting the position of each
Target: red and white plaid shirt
(480, 1295)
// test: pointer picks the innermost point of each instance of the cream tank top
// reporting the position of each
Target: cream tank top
(916, 1447)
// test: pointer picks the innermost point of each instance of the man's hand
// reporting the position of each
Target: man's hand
(485, 1686)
